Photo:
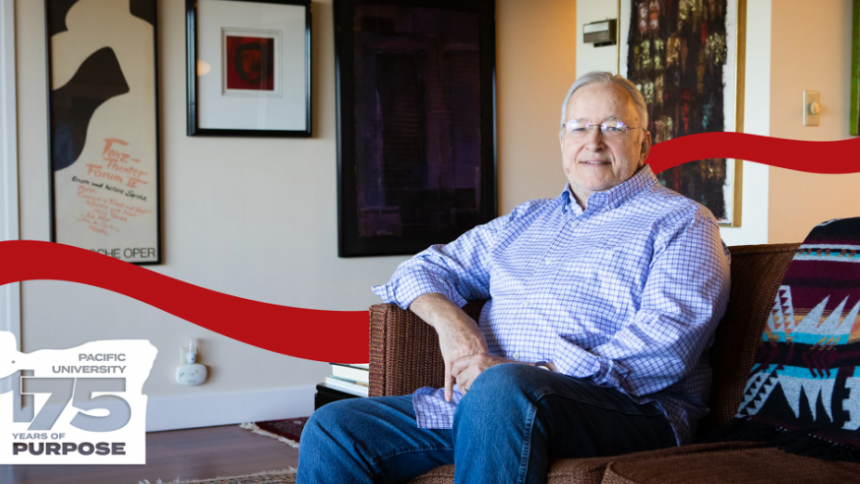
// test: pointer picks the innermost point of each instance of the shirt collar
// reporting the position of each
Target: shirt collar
(615, 196)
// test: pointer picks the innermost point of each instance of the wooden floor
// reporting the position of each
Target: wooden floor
(184, 454)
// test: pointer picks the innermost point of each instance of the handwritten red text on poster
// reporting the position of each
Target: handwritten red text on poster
(108, 190)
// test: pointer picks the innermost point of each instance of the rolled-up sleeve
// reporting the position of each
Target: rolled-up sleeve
(459, 270)
(684, 297)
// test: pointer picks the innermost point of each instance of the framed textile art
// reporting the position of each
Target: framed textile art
(249, 67)
(687, 57)
(416, 122)
(103, 127)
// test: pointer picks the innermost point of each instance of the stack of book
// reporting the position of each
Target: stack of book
(352, 379)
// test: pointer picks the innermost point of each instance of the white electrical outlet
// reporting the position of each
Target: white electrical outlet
(811, 107)
(189, 372)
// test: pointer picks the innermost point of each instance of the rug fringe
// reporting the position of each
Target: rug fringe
(287, 471)
(257, 430)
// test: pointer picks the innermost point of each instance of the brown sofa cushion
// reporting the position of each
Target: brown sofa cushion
(730, 466)
(732, 462)
(591, 470)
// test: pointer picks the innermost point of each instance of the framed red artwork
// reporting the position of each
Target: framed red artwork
(249, 67)
(249, 63)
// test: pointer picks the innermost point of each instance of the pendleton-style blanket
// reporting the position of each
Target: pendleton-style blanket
(803, 393)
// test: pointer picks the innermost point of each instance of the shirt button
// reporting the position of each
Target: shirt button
(574, 223)
(548, 261)
(516, 356)
(525, 302)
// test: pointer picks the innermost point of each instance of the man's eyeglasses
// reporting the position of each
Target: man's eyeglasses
(610, 129)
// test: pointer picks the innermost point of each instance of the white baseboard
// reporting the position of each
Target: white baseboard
(192, 410)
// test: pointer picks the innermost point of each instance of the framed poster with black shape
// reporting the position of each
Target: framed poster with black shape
(687, 57)
(416, 122)
(103, 127)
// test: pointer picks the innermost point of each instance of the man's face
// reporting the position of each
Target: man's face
(594, 162)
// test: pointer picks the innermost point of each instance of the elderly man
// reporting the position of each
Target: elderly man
(602, 304)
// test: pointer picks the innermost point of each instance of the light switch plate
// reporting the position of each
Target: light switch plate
(809, 98)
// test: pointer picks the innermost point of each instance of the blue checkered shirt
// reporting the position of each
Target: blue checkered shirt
(625, 294)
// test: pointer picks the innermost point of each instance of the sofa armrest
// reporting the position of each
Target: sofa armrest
(404, 350)
(757, 272)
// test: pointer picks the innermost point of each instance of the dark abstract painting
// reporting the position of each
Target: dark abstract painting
(677, 52)
(416, 123)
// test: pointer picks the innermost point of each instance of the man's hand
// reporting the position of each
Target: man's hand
(458, 341)
(467, 368)
(459, 335)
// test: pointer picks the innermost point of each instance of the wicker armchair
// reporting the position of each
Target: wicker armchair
(405, 355)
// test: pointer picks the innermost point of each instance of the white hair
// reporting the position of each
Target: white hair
(607, 78)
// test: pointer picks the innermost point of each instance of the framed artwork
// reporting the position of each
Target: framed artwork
(249, 67)
(416, 122)
(103, 127)
(687, 57)
(855, 70)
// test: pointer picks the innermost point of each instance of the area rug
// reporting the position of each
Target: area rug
(288, 430)
(287, 476)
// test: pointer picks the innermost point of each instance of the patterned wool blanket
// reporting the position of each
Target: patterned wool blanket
(803, 393)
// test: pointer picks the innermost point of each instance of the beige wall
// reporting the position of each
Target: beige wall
(256, 218)
(811, 50)
(588, 57)
(536, 64)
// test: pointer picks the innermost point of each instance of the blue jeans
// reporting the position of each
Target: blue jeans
(506, 428)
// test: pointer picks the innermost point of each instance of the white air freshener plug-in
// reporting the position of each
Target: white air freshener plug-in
(189, 372)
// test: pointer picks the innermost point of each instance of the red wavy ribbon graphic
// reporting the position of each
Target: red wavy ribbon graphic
(334, 336)
(342, 336)
(831, 157)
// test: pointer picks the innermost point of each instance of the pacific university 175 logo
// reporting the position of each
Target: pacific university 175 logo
(86, 403)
